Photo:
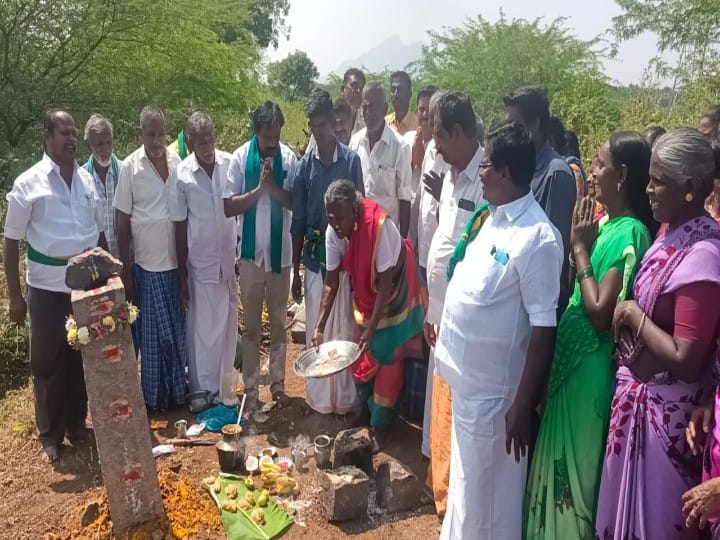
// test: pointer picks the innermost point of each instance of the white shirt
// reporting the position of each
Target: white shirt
(462, 194)
(387, 254)
(145, 197)
(427, 224)
(236, 186)
(212, 237)
(386, 169)
(55, 220)
(508, 283)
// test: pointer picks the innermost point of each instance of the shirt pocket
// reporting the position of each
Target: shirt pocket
(488, 276)
(386, 177)
(85, 211)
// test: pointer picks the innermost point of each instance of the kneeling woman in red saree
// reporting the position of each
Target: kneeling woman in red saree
(363, 241)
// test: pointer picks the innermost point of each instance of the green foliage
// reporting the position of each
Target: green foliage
(14, 355)
(677, 23)
(115, 57)
(293, 77)
(267, 21)
(14, 343)
(488, 60)
(689, 27)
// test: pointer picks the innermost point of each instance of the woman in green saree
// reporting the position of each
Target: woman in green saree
(562, 490)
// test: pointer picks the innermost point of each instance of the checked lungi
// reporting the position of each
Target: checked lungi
(163, 353)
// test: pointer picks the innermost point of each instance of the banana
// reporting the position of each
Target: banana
(271, 467)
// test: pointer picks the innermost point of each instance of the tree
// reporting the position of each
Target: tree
(488, 60)
(45, 48)
(267, 21)
(690, 27)
(293, 77)
(114, 57)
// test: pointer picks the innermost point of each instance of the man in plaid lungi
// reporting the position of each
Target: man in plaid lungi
(142, 201)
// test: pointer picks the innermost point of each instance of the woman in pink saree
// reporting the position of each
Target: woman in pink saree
(666, 342)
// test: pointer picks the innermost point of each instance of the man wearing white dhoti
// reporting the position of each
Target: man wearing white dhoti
(496, 342)
(206, 241)
(329, 160)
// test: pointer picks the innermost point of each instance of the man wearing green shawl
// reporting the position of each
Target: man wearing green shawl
(259, 191)
(104, 166)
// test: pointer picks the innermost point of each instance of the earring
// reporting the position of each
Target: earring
(619, 186)
(355, 226)
(689, 197)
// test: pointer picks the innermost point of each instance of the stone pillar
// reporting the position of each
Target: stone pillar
(114, 395)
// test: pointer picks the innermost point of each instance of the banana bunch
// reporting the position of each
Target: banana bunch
(277, 481)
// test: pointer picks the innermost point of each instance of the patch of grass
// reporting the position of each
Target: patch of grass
(14, 341)
(17, 415)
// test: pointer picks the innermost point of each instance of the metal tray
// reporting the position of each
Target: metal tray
(317, 363)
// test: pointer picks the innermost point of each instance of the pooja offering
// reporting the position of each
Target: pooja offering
(328, 359)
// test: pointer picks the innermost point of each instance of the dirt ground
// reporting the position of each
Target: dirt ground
(41, 501)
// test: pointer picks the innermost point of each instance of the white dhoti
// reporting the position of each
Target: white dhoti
(427, 414)
(336, 393)
(486, 484)
(211, 334)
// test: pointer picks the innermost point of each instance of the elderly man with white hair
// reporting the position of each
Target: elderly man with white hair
(142, 200)
(104, 166)
(385, 158)
(205, 241)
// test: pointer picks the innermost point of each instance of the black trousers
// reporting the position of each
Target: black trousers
(57, 370)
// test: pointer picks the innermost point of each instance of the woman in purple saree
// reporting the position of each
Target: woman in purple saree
(666, 341)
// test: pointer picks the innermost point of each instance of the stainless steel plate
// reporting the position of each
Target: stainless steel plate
(333, 356)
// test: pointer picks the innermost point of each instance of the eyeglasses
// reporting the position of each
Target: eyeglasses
(485, 165)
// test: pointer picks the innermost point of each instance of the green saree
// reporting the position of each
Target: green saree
(562, 491)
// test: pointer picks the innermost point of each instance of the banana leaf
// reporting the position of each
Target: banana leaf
(239, 525)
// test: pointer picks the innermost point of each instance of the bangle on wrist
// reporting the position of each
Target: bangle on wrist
(641, 325)
(584, 273)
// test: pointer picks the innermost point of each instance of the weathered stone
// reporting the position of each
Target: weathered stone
(91, 269)
(345, 494)
(118, 410)
(397, 487)
(90, 514)
(353, 447)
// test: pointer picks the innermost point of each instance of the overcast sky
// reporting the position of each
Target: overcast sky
(331, 33)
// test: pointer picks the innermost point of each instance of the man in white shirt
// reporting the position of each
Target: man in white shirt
(496, 343)
(142, 200)
(54, 208)
(455, 136)
(259, 191)
(105, 168)
(433, 166)
(206, 241)
(385, 158)
(418, 140)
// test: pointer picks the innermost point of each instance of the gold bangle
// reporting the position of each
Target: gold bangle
(641, 326)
